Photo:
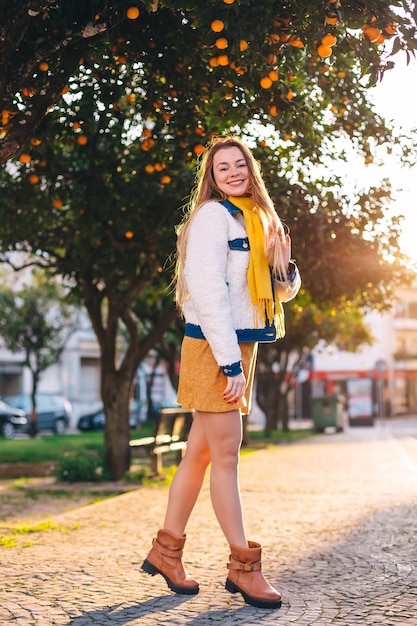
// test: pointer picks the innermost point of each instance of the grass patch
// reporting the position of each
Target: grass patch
(279, 436)
(9, 540)
(54, 448)
(49, 448)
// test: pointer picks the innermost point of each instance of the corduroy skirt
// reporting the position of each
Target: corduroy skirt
(202, 383)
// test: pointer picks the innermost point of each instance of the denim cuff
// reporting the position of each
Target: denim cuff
(291, 273)
(232, 370)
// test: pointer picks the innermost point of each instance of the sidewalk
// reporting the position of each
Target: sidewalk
(336, 516)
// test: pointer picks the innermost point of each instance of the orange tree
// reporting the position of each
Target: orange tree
(256, 60)
(94, 189)
(345, 273)
(35, 321)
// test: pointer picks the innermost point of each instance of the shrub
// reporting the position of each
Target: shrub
(81, 467)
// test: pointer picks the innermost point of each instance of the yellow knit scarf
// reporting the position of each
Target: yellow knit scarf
(259, 275)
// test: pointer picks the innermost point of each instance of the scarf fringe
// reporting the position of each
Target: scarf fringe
(280, 325)
(278, 317)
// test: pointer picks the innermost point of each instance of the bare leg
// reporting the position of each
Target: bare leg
(188, 479)
(223, 432)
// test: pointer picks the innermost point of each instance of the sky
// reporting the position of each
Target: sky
(395, 100)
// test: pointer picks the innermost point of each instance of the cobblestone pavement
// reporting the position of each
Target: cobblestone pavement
(336, 515)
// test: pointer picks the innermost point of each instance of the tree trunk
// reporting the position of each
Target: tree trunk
(117, 378)
(33, 424)
(116, 388)
(283, 411)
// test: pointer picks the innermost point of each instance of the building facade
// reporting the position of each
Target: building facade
(387, 368)
(380, 379)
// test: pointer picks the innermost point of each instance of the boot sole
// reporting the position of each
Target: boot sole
(152, 570)
(260, 604)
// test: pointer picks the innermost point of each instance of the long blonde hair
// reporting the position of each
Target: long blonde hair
(206, 189)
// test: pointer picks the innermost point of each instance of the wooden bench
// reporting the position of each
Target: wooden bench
(171, 433)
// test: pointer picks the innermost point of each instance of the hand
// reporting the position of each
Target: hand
(284, 240)
(235, 388)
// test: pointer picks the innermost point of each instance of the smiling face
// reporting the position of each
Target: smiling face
(230, 171)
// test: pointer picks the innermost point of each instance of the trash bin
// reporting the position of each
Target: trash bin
(327, 411)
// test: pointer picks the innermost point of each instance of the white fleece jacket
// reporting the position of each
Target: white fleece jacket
(219, 306)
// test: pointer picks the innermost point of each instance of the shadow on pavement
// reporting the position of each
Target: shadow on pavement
(370, 575)
(125, 615)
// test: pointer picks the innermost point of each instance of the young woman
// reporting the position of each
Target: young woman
(233, 272)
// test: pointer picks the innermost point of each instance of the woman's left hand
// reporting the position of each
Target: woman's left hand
(285, 241)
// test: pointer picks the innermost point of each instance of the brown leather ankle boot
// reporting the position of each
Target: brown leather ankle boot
(245, 576)
(165, 559)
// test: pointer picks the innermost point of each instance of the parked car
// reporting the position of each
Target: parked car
(96, 420)
(53, 411)
(11, 420)
(92, 421)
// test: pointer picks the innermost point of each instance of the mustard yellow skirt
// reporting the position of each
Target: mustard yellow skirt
(202, 383)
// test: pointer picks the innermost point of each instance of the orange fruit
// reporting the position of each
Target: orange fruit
(25, 158)
(371, 32)
(133, 13)
(198, 149)
(265, 82)
(149, 168)
(129, 234)
(82, 140)
(272, 59)
(243, 45)
(324, 51)
(33, 179)
(341, 74)
(221, 43)
(273, 38)
(273, 110)
(165, 180)
(217, 26)
(223, 60)
(329, 40)
(213, 62)
(44, 67)
(273, 75)
(159, 167)
(147, 144)
(57, 203)
(228, 1)
(391, 28)
(297, 43)
(331, 20)
(35, 142)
